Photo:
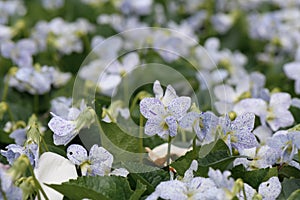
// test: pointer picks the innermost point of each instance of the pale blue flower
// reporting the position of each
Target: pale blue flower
(221, 179)
(14, 151)
(222, 22)
(7, 187)
(52, 4)
(98, 162)
(269, 190)
(238, 133)
(60, 106)
(19, 135)
(296, 102)
(163, 120)
(137, 7)
(20, 52)
(217, 186)
(292, 70)
(65, 129)
(128, 63)
(203, 124)
(276, 113)
(287, 143)
(38, 80)
(257, 158)
(227, 95)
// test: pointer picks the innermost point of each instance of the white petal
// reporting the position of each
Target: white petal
(173, 190)
(280, 101)
(109, 82)
(179, 106)
(189, 119)
(172, 124)
(263, 133)
(152, 108)
(284, 118)
(153, 127)
(244, 122)
(170, 94)
(297, 86)
(157, 90)
(120, 172)
(130, 61)
(100, 155)
(270, 189)
(223, 107)
(225, 93)
(292, 70)
(162, 150)
(256, 106)
(77, 154)
(54, 169)
(60, 126)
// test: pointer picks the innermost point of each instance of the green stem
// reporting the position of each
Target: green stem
(141, 147)
(169, 150)
(244, 193)
(5, 90)
(183, 136)
(11, 116)
(36, 104)
(194, 142)
(37, 183)
(45, 144)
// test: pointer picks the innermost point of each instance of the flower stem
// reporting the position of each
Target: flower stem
(169, 150)
(244, 192)
(36, 104)
(194, 142)
(5, 89)
(141, 147)
(11, 116)
(38, 184)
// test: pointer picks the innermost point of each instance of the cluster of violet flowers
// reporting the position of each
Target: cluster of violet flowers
(253, 121)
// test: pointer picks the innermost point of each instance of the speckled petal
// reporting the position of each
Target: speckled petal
(152, 108)
(61, 127)
(153, 127)
(77, 154)
(172, 124)
(179, 106)
(270, 189)
(244, 122)
(157, 90)
(188, 120)
(100, 155)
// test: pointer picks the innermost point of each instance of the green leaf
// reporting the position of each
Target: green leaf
(122, 145)
(97, 187)
(289, 171)
(184, 162)
(206, 149)
(140, 189)
(253, 178)
(289, 186)
(119, 138)
(148, 176)
(4, 138)
(217, 158)
(222, 165)
(295, 195)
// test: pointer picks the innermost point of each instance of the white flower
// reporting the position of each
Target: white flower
(54, 169)
(159, 154)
